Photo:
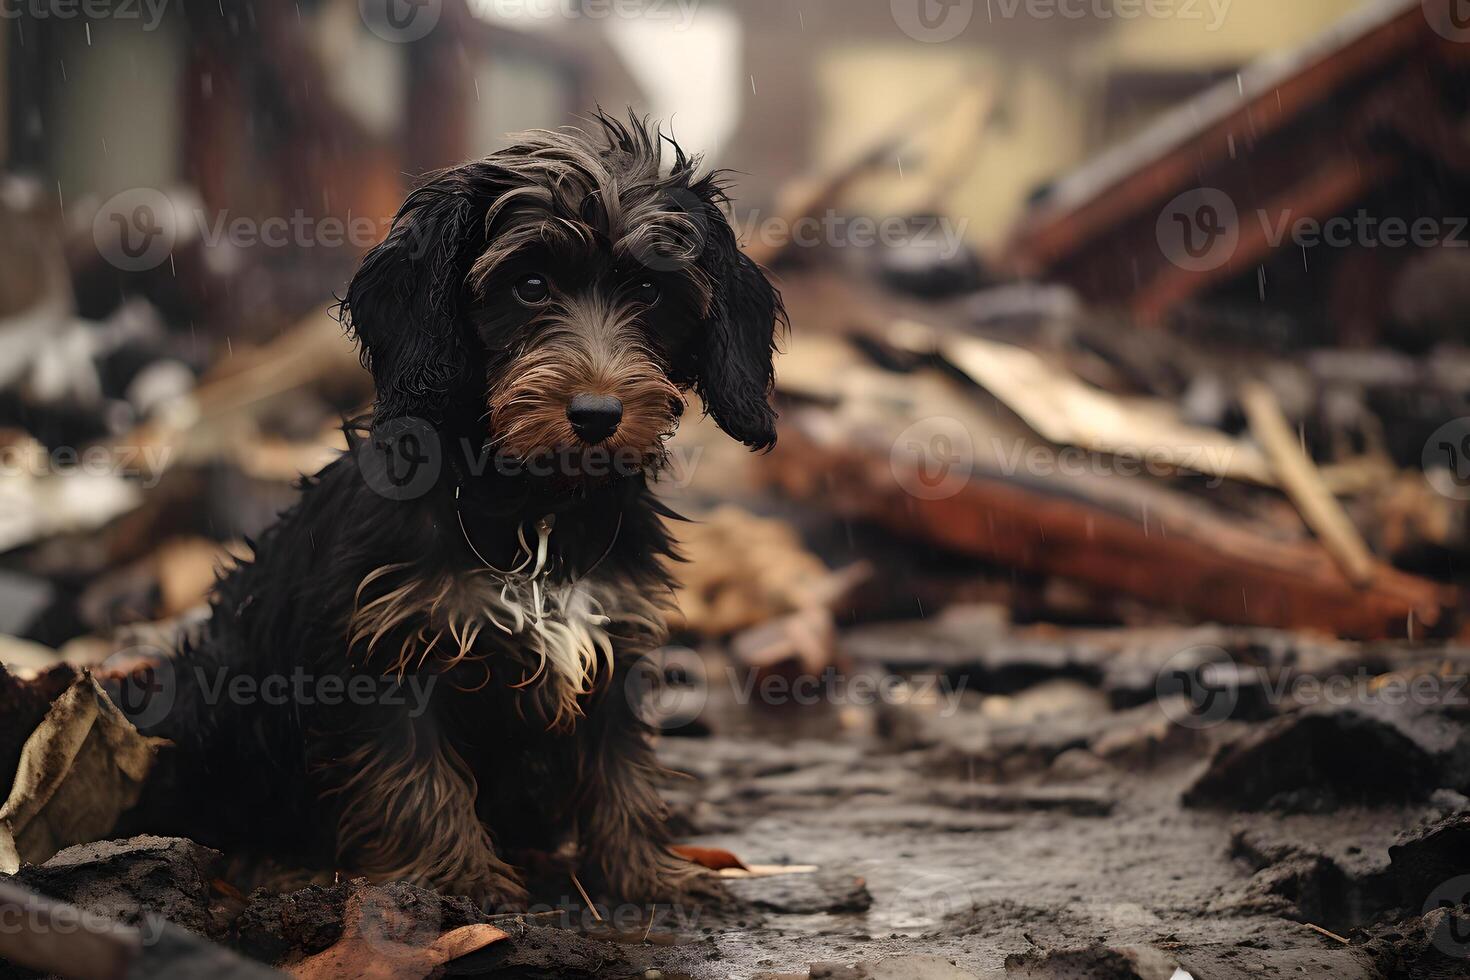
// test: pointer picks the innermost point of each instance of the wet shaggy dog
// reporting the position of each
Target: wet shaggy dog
(489, 566)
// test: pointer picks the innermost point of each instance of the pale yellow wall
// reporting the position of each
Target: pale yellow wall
(867, 90)
(1226, 32)
(1050, 93)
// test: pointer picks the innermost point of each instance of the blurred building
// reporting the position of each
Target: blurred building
(332, 105)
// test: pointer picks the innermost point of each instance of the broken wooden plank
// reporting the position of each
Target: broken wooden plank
(1170, 550)
(1303, 484)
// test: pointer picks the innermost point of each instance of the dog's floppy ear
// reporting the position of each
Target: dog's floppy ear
(735, 374)
(403, 304)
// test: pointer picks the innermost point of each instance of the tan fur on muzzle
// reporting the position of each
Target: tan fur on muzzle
(588, 346)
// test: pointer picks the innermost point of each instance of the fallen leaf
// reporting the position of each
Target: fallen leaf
(380, 941)
(769, 870)
(709, 857)
(81, 768)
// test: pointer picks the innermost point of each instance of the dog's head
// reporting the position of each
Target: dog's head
(565, 292)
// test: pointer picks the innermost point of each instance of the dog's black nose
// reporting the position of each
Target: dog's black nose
(595, 417)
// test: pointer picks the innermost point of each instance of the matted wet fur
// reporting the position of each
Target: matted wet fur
(491, 617)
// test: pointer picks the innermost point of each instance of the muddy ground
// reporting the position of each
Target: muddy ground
(1029, 803)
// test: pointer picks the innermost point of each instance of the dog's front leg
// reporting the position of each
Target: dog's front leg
(621, 819)
(406, 810)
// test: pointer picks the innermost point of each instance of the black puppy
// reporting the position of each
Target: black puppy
(489, 565)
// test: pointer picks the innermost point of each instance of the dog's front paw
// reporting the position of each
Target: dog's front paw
(653, 876)
(694, 886)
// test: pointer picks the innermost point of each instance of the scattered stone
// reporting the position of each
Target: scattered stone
(1076, 765)
(831, 892)
(1242, 962)
(535, 953)
(1315, 763)
(1145, 736)
(128, 880)
(894, 968)
(1092, 963)
(1433, 946)
(1424, 860)
(309, 921)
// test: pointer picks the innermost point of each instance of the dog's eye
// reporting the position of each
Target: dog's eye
(646, 292)
(533, 290)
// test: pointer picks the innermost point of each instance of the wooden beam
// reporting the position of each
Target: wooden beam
(1303, 484)
(1322, 194)
(1049, 238)
(1185, 557)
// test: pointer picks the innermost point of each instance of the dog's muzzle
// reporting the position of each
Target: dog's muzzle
(595, 418)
